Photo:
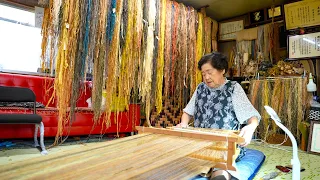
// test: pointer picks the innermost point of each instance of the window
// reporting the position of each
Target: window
(20, 40)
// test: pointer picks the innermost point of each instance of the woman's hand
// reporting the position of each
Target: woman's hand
(185, 118)
(182, 125)
(247, 131)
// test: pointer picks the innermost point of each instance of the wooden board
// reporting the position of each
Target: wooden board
(212, 135)
(132, 157)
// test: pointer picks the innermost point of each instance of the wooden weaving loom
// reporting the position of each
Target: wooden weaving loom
(154, 153)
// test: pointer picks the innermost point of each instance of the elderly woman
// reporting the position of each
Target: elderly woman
(221, 104)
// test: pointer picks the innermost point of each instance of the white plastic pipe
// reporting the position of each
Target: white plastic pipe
(295, 162)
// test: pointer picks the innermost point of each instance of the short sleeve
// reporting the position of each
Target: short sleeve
(190, 108)
(242, 106)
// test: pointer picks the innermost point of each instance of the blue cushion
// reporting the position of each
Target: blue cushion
(250, 163)
(248, 166)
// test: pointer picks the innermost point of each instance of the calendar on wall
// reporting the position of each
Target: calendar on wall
(227, 30)
(304, 46)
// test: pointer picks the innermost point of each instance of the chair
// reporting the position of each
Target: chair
(17, 94)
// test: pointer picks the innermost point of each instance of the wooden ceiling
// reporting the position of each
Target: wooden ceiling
(30, 4)
(217, 9)
(225, 9)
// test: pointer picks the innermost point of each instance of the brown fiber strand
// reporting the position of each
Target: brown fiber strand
(192, 49)
(200, 47)
(178, 71)
(254, 92)
(275, 100)
(207, 34)
(174, 37)
(167, 49)
(99, 57)
(183, 51)
(214, 35)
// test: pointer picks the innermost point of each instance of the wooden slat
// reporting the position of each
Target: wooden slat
(125, 158)
(230, 137)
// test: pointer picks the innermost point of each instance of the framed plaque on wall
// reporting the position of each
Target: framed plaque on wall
(227, 30)
(304, 46)
(302, 14)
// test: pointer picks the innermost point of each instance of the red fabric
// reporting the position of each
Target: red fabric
(42, 87)
(84, 117)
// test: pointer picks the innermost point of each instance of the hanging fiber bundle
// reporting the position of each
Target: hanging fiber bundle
(92, 36)
(183, 51)
(126, 65)
(137, 36)
(80, 56)
(177, 80)
(175, 25)
(45, 37)
(99, 61)
(168, 49)
(200, 49)
(113, 58)
(207, 34)
(163, 7)
(214, 35)
(265, 116)
(65, 63)
(147, 64)
(275, 100)
(155, 55)
(192, 50)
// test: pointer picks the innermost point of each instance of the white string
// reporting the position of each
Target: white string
(274, 146)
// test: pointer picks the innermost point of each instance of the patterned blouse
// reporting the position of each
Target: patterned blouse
(242, 107)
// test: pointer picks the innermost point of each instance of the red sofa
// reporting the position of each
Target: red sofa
(84, 116)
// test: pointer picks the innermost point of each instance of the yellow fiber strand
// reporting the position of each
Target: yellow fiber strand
(137, 35)
(127, 65)
(289, 89)
(265, 101)
(112, 65)
(281, 100)
(299, 97)
(45, 36)
(126, 61)
(65, 63)
(199, 46)
(161, 56)
(207, 34)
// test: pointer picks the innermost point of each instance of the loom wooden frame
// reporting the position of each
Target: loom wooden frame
(232, 139)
